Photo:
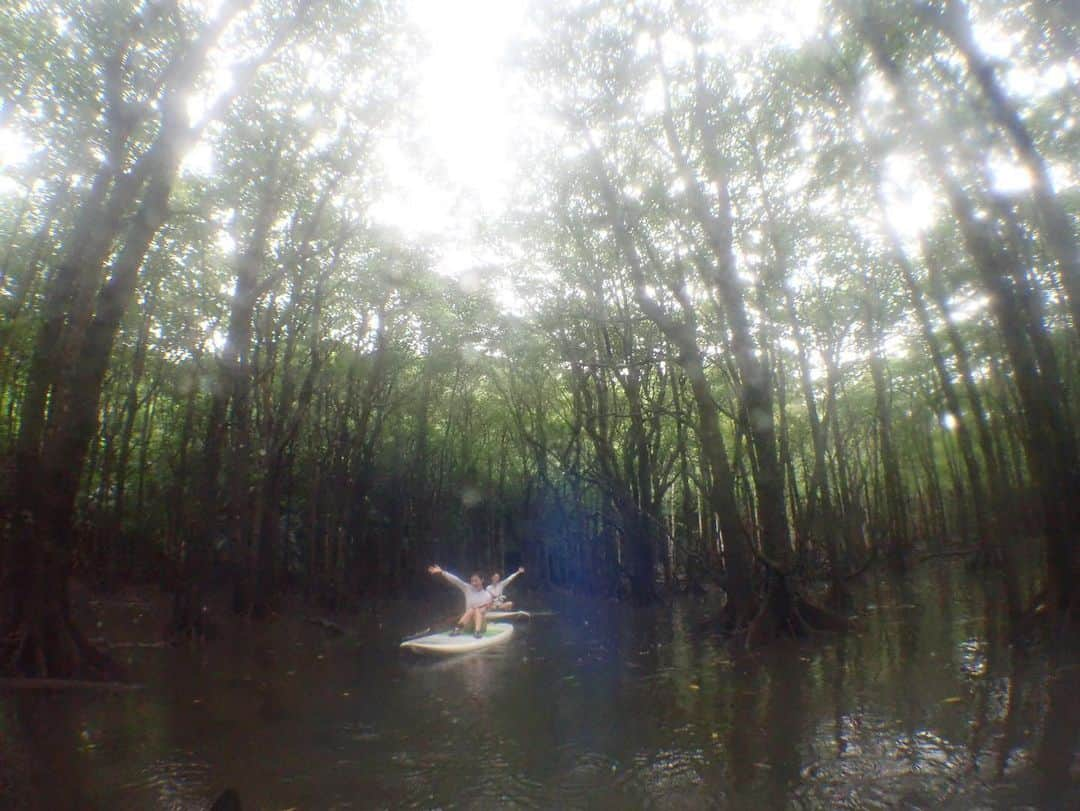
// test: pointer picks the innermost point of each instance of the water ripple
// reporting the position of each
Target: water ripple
(177, 782)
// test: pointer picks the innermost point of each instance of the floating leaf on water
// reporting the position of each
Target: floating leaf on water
(695, 686)
(953, 700)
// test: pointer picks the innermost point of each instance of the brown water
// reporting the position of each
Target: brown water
(599, 706)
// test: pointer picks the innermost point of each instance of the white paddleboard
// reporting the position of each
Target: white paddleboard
(443, 643)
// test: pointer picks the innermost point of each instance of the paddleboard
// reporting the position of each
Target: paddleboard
(443, 643)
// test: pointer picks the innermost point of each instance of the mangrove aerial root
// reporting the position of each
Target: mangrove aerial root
(52, 647)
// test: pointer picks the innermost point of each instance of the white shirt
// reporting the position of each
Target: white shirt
(474, 598)
(496, 589)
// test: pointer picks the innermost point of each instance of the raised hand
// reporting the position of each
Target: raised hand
(434, 570)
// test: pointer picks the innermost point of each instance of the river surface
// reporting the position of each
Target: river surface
(597, 706)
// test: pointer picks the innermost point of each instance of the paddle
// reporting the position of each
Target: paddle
(424, 632)
(448, 621)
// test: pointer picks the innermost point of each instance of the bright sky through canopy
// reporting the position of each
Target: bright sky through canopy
(458, 170)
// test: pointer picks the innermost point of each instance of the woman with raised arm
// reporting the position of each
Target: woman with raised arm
(500, 602)
(477, 601)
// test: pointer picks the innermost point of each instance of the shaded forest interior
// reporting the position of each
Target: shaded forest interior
(769, 312)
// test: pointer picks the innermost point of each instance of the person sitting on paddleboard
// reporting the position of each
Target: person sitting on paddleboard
(477, 601)
(500, 602)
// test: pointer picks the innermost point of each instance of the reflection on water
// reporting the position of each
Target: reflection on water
(599, 706)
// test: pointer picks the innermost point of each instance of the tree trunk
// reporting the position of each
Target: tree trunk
(49, 472)
(1052, 218)
(119, 218)
(987, 535)
(1050, 444)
